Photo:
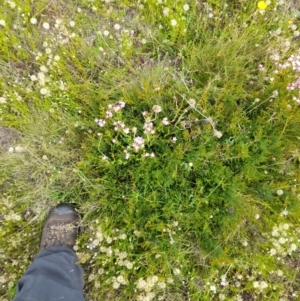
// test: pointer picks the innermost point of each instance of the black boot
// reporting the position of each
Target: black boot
(60, 228)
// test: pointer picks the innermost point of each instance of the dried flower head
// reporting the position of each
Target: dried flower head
(156, 109)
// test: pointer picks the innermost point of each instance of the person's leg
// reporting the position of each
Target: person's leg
(54, 275)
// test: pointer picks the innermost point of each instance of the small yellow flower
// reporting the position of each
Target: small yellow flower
(262, 5)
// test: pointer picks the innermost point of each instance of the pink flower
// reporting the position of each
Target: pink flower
(109, 114)
(119, 125)
(294, 85)
(122, 104)
(295, 60)
(100, 122)
(138, 143)
(148, 128)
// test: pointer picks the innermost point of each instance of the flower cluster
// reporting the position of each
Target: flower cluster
(148, 288)
(148, 127)
(293, 63)
(138, 143)
(135, 143)
(283, 242)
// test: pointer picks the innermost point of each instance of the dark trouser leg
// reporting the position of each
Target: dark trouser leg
(53, 275)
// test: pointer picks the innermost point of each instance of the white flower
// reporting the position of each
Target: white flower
(279, 273)
(224, 282)
(11, 149)
(174, 139)
(278, 31)
(72, 23)
(44, 91)
(134, 130)
(294, 27)
(58, 21)
(245, 243)
(33, 20)
(282, 240)
(2, 100)
(213, 288)
(106, 32)
(173, 22)
(96, 242)
(141, 284)
(44, 69)
(128, 265)
(121, 279)
(46, 25)
(186, 7)
(162, 285)
(279, 192)
(122, 236)
(166, 11)
(222, 297)
(286, 226)
(117, 26)
(192, 102)
(263, 285)
(273, 252)
(12, 4)
(2, 23)
(156, 109)
(293, 247)
(57, 58)
(165, 121)
(152, 280)
(150, 296)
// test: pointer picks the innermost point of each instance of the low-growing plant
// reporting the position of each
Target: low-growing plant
(173, 127)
